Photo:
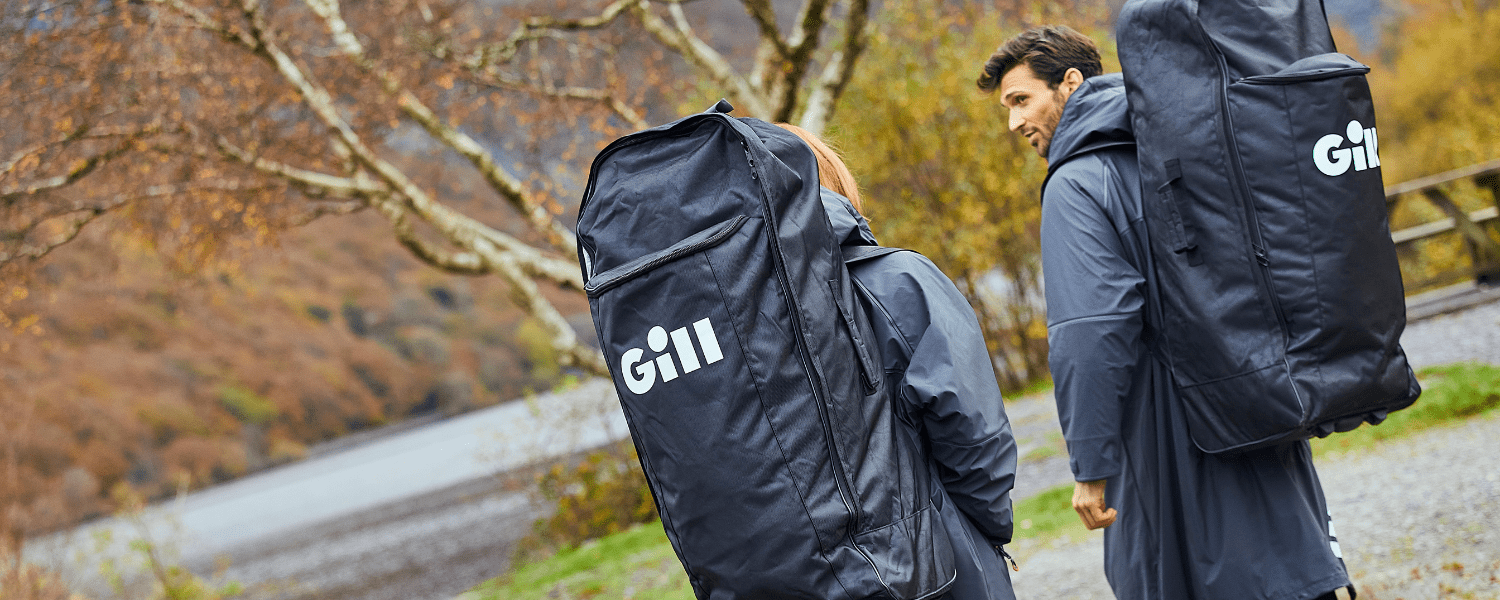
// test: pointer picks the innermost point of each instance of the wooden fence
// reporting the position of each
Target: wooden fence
(1471, 227)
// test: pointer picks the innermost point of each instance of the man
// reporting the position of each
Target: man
(1180, 524)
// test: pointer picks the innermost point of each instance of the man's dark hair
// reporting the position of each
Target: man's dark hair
(1050, 50)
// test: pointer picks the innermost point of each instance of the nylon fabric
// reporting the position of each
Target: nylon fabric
(715, 282)
(1259, 160)
(1191, 525)
(947, 399)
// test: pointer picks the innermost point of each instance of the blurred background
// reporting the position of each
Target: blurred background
(289, 296)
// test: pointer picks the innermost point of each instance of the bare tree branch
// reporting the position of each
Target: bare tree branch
(381, 197)
(501, 180)
(312, 182)
(34, 251)
(538, 28)
(681, 39)
(617, 106)
(523, 289)
(839, 69)
(802, 43)
(772, 49)
(464, 263)
(459, 229)
(570, 350)
(83, 214)
(203, 21)
(319, 209)
(78, 170)
(770, 31)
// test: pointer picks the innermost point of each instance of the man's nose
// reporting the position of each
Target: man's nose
(1015, 120)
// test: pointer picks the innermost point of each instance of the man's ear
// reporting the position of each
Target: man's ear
(1070, 82)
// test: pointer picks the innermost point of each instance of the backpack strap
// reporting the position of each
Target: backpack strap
(855, 254)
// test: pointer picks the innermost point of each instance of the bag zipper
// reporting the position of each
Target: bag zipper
(839, 476)
(595, 287)
(1241, 189)
(1300, 77)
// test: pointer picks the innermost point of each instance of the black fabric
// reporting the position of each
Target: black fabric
(1259, 160)
(743, 366)
(946, 398)
(1191, 525)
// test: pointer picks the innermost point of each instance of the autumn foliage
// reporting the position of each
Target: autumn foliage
(941, 173)
(230, 229)
(178, 305)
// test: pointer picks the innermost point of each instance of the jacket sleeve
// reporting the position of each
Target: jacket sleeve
(949, 388)
(1094, 313)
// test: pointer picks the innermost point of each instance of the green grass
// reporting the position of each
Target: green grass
(634, 564)
(1449, 393)
(1052, 446)
(1036, 387)
(1048, 514)
(639, 563)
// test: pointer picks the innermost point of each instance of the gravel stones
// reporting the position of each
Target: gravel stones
(1415, 518)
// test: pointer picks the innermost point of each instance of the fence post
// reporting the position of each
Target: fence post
(1483, 250)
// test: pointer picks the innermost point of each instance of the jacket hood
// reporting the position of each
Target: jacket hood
(849, 227)
(1097, 116)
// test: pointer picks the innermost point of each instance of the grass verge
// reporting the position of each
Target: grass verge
(1047, 514)
(637, 563)
(1450, 393)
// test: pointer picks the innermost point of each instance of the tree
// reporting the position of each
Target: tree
(202, 124)
(1436, 85)
(944, 175)
(206, 118)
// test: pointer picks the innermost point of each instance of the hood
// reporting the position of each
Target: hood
(1097, 116)
(849, 227)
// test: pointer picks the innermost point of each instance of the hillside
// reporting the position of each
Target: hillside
(122, 369)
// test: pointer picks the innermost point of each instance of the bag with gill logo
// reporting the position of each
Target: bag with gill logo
(726, 314)
(1260, 170)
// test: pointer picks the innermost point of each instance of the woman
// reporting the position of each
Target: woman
(935, 358)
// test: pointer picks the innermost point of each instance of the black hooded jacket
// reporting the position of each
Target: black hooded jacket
(936, 359)
(1190, 525)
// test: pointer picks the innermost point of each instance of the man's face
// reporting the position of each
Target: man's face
(1034, 107)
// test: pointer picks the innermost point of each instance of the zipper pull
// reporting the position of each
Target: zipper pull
(1013, 566)
(1260, 256)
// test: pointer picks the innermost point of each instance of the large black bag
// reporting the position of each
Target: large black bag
(1282, 300)
(727, 316)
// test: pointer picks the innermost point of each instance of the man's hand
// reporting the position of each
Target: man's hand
(1088, 500)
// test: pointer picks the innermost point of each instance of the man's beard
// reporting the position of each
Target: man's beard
(1048, 127)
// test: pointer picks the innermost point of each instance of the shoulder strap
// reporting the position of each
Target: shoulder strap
(854, 254)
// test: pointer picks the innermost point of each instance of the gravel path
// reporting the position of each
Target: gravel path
(1415, 518)
(1473, 334)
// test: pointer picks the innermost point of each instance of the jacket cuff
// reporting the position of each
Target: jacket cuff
(1096, 458)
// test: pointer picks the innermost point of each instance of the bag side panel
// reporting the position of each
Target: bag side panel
(1217, 321)
(876, 466)
(742, 496)
(1302, 292)
(1315, 177)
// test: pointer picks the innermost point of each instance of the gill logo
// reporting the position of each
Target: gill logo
(641, 376)
(1334, 161)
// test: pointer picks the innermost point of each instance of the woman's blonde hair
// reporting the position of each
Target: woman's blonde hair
(832, 173)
